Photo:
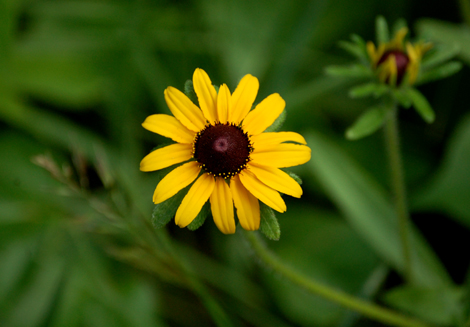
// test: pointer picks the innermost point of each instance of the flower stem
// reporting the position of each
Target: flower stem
(465, 10)
(397, 180)
(368, 309)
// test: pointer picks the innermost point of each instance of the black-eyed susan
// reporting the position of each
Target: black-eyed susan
(394, 60)
(225, 153)
(391, 71)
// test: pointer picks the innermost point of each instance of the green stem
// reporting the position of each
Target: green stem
(368, 309)
(397, 180)
(465, 10)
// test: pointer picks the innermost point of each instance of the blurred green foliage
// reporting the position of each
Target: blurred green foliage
(77, 246)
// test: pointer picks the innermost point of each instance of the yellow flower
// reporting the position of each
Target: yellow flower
(393, 60)
(225, 153)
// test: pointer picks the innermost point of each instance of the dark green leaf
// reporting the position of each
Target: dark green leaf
(165, 211)
(269, 225)
(189, 91)
(369, 122)
(421, 105)
(201, 217)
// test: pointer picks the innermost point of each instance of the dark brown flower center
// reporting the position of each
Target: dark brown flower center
(222, 149)
(401, 61)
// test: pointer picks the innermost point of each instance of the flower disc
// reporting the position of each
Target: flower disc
(401, 61)
(222, 149)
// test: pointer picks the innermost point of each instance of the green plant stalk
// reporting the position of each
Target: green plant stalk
(367, 309)
(465, 10)
(397, 181)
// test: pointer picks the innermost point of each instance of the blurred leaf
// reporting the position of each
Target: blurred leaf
(398, 25)
(438, 55)
(368, 210)
(448, 34)
(356, 70)
(369, 122)
(381, 30)
(421, 104)
(354, 48)
(328, 249)
(449, 190)
(269, 225)
(443, 71)
(441, 306)
(368, 89)
(401, 95)
(61, 80)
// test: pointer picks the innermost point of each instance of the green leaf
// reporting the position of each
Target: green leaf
(421, 105)
(449, 189)
(441, 306)
(398, 25)
(440, 72)
(448, 34)
(369, 89)
(165, 211)
(401, 95)
(438, 56)
(356, 70)
(369, 122)
(201, 217)
(295, 177)
(189, 91)
(353, 49)
(277, 123)
(329, 247)
(269, 225)
(381, 30)
(369, 211)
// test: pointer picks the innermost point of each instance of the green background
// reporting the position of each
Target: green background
(77, 79)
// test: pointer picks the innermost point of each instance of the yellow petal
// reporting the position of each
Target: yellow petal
(263, 192)
(268, 140)
(247, 205)
(166, 157)
(264, 114)
(282, 155)
(175, 181)
(192, 203)
(222, 207)
(223, 104)
(397, 42)
(276, 179)
(411, 52)
(370, 46)
(243, 98)
(184, 110)
(206, 94)
(168, 126)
